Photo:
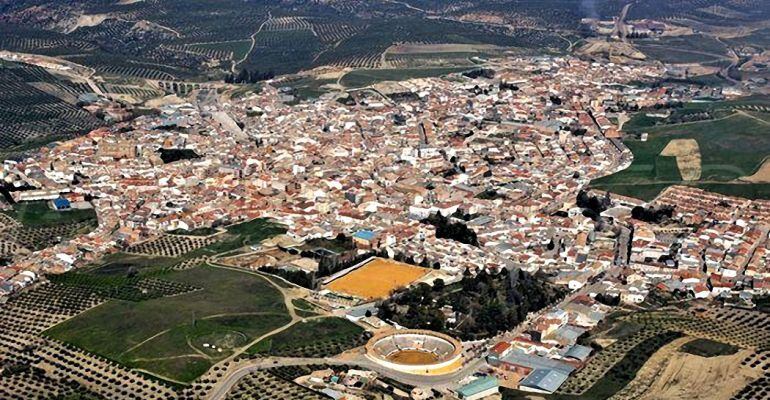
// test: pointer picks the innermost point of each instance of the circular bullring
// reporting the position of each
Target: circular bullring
(416, 352)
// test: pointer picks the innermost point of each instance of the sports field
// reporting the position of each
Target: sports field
(180, 337)
(377, 279)
(413, 357)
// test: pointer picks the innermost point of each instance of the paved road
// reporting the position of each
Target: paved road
(436, 382)
(620, 23)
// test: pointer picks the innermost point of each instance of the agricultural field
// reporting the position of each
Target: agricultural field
(672, 354)
(46, 368)
(33, 225)
(266, 385)
(180, 337)
(38, 214)
(201, 40)
(377, 279)
(317, 337)
(366, 77)
(171, 245)
(718, 146)
(683, 49)
(37, 107)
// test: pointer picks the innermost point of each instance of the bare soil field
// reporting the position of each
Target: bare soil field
(761, 176)
(687, 155)
(687, 376)
(611, 49)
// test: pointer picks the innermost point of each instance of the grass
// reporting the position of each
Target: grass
(121, 263)
(39, 214)
(230, 305)
(240, 235)
(303, 308)
(366, 77)
(708, 348)
(333, 245)
(732, 145)
(322, 336)
(307, 87)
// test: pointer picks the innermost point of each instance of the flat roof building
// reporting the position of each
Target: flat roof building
(543, 380)
(479, 389)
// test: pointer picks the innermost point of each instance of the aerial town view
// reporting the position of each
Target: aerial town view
(384, 199)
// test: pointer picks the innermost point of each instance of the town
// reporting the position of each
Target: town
(398, 193)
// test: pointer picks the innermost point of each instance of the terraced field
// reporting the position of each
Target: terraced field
(32, 116)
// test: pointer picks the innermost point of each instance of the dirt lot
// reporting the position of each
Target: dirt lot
(687, 376)
(687, 155)
(377, 279)
(611, 49)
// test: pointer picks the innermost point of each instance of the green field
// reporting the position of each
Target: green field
(319, 337)
(240, 235)
(38, 214)
(365, 77)
(166, 336)
(732, 144)
(683, 49)
(760, 38)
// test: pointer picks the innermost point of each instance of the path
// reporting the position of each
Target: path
(253, 39)
(432, 381)
(734, 60)
(754, 117)
(136, 346)
(407, 5)
(620, 23)
(287, 299)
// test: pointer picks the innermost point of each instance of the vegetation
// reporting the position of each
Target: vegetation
(39, 214)
(731, 141)
(708, 348)
(650, 214)
(366, 77)
(33, 117)
(320, 337)
(485, 304)
(171, 155)
(166, 335)
(451, 230)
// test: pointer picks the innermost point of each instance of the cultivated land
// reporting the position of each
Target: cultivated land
(39, 214)
(365, 77)
(730, 140)
(377, 279)
(166, 336)
(318, 337)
